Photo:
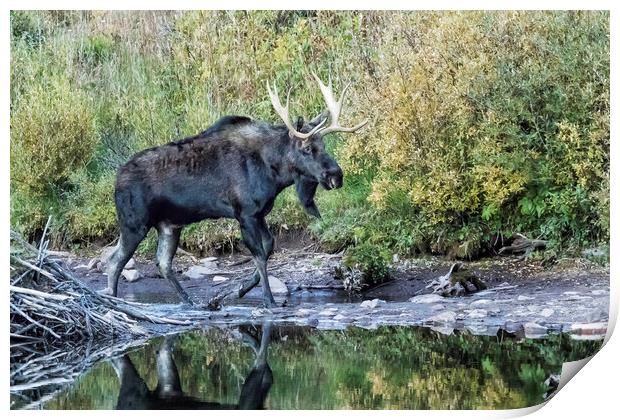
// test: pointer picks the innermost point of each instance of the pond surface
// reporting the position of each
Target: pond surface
(285, 367)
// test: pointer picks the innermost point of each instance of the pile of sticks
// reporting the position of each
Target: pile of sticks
(49, 305)
(59, 325)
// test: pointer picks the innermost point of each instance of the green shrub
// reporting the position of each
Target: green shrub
(52, 136)
(371, 260)
(482, 124)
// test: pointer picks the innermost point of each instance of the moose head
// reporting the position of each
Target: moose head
(311, 161)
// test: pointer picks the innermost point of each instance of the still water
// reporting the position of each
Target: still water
(303, 368)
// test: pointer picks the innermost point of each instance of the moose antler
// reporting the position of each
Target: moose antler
(335, 108)
(282, 111)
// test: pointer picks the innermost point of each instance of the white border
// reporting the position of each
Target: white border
(593, 393)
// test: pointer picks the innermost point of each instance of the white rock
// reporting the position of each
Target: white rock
(534, 330)
(447, 317)
(522, 298)
(132, 275)
(339, 317)
(430, 298)
(477, 313)
(277, 286)
(599, 292)
(92, 263)
(198, 271)
(547, 312)
(219, 279)
(443, 329)
(303, 312)
(480, 302)
(371, 304)
(326, 313)
(208, 260)
(131, 264)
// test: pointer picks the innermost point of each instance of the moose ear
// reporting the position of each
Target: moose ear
(300, 123)
(316, 120)
(306, 188)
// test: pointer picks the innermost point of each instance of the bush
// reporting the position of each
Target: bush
(371, 261)
(52, 136)
(483, 124)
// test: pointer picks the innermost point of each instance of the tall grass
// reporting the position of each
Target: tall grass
(482, 124)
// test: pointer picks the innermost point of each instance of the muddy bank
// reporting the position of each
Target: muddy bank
(522, 298)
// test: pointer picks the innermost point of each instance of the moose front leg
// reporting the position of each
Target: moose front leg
(267, 242)
(252, 237)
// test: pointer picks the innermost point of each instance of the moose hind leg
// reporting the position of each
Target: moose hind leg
(251, 233)
(167, 243)
(125, 248)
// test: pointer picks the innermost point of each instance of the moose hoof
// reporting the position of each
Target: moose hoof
(107, 291)
(269, 303)
(188, 302)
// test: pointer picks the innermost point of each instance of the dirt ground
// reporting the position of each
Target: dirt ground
(522, 296)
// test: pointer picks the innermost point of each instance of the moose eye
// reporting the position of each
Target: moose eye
(307, 149)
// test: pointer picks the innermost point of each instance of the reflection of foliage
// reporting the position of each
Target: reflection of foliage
(392, 367)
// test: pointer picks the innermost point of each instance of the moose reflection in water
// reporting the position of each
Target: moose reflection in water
(134, 394)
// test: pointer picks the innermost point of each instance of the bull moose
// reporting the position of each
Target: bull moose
(234, 169)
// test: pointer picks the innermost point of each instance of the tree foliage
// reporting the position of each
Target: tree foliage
(482, 123)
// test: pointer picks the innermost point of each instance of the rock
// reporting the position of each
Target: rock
(547, 312)
(430, 298)
(198, 272)
(437, 307)
(131, 264)
(371, 304)
(277, 286)
(219, 279)
(477, 313)
(395, 258)
(339, 317)
(522, 298)
(480, 302)
(446, 317)
(599, 292)
(326, 313)
(92, 264)
(132, 275)
(207, 260)
(494, 311)
(303, 312)
(534, 330)
(442, 329)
